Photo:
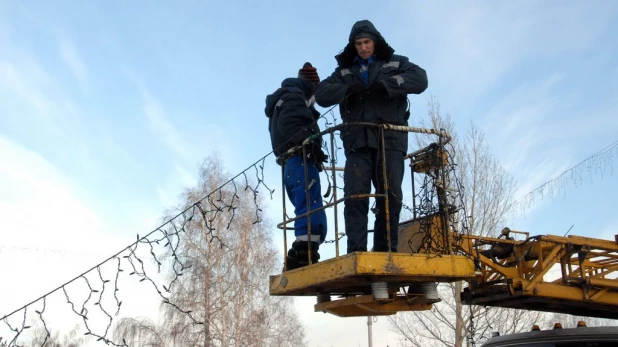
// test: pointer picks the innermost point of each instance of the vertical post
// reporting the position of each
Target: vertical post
(334, 174)
(308, 201)
(442, 197)
(369, 332)
(385, 187)
(285, 221)
(413, 189)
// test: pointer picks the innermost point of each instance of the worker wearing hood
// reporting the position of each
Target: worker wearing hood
(292, 118)
(371, 84)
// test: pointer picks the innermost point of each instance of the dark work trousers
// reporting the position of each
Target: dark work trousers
(362, 168)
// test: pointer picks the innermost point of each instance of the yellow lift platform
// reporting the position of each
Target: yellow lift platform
(351, 277)
(574, 275)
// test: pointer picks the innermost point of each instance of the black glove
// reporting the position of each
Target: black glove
(320, 157)
(354, 90)
(377, 88)
(316, 154)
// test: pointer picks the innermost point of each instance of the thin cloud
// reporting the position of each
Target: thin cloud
(471, 47)
(158, 122)
(161, 126)
(28, 82)
(72, 58)
(178, 179)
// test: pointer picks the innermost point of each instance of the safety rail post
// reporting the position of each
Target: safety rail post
(308, 202)
(334, 175)
(285, 234)
(443, 139)
(442, 196)
(413, 189)
(387, 213)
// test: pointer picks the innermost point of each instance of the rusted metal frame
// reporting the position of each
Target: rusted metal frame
(444, 206)
(308, 202)
(605, 245)
(387, 211)
(526, 268)
(605, 272)
(472, 250)
(523, 269)
(565, 265)
(603, 253)
(402, 128)
(285, 234)
(490, 240)
(507, 272)
(608, 270)
(596, 268)
(558, 280)
(519, 232)
(600, 262)
(332, 165)
(331, 131)
(441, 133)
(583, 250)
(603, 282)
(366, 304)
(497, 273)
(599, 294)
(544, 266)
(356, 196)
(592, 266)
(599, 272)
(494, 276)
(572, 293)
(542, 248)
(413, 190)
(486, 271)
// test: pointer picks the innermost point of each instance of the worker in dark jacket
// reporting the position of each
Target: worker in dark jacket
(292, 119)
(371, 84)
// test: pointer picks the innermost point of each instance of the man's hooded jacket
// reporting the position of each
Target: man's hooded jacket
(399, 77)
(292, 116)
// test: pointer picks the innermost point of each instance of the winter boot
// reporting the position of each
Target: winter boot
(292, 260)
(301, 248)
(298, 256)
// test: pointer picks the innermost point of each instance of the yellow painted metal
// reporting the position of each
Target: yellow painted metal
(581, 241)
(429, 158)
(354, 273)
(366, 305)
(603, 283)
(572, 274)
(571, 293)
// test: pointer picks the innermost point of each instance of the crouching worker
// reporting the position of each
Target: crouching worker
(292, 119)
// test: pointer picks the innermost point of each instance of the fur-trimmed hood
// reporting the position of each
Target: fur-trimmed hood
(382, 50)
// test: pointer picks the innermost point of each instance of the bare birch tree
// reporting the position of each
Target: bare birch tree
(487, 196)
(226, 285)
(40, 336)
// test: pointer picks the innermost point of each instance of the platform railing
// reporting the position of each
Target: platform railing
(443, 138)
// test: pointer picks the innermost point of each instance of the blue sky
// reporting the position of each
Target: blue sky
(108, 107)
